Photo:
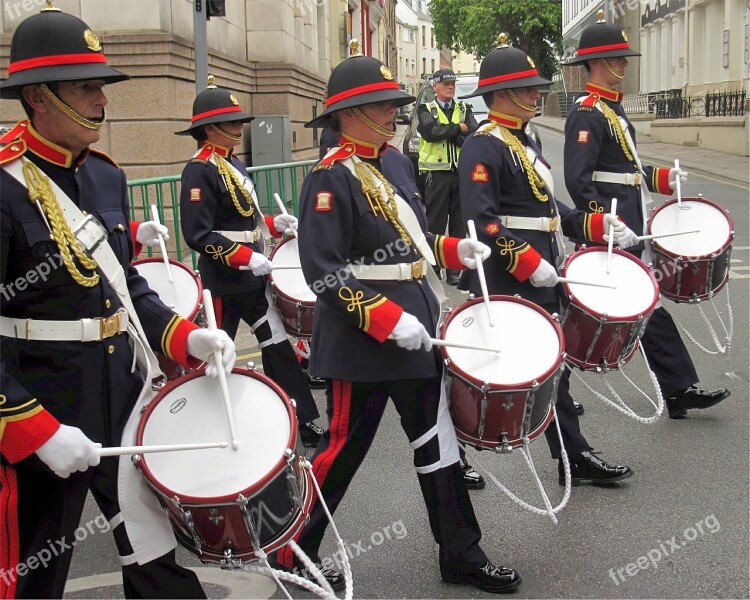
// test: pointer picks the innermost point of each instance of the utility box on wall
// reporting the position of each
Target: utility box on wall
(270, 144)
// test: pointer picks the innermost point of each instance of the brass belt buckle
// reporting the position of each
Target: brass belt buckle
(109, 326)
(637, 180)
(554, 224)
(417, 269)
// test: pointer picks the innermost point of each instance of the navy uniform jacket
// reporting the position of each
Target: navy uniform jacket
(354, 318)
(206, 206)
(591, 145)
(83, 384)
(493, 184)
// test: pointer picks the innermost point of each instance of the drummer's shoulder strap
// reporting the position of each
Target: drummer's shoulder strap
(334, 155)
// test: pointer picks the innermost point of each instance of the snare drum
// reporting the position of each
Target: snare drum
(291, 294)
(694, 266)
(602, 325)
(226, 505)
(499, 399)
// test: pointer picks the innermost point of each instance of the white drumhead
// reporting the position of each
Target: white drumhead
(529, 344)
(182, 296)
(693, 214)
(193, 412)
(290, 281)
(635, 292)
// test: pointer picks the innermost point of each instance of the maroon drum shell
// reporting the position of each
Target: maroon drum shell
(296, 315)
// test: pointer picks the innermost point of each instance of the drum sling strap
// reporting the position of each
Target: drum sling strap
(147, 527)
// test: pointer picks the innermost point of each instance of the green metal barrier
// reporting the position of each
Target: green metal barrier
(284, 180)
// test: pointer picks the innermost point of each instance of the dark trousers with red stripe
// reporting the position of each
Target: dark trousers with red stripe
(354, 413)
(39, 525)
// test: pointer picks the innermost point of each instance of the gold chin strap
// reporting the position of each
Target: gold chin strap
(41, 192)
(233, 183)
(366, 172)
(226, 134)
(611, 70)
(520, 103)
(372, 124)
(78, 118)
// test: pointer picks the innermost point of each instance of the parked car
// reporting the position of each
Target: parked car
(465, 84)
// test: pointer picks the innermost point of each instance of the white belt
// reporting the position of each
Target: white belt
(633, 179)
(532, 223)
(397, 272)
(241, 237)
(82, 330)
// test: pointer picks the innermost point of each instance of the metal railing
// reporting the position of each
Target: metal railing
(164, 192)
(673, 105)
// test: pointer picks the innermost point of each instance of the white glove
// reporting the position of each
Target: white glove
(285, 223)
(544, 276)
(68, 451)
(466, 249)
(674, 174)
(259, 264)
(612, 221)
(148, 233)
(409, 333)
(201, 344)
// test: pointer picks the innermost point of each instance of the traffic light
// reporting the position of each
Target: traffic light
(216, 8)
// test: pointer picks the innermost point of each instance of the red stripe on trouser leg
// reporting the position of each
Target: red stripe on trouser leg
(9, 542)
(322, 462)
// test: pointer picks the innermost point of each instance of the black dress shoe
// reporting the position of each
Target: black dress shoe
(452, 277)
(310, 434)
(693, 397)
(588, 468)
(579, 408)
(332, 576)
(472, 479)
(314, 383)
(487, 577)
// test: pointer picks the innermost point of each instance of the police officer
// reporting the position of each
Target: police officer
(222, 221)
(68, 375)
(601, 163)
(507, 189)
(364, 246)
(444, 124)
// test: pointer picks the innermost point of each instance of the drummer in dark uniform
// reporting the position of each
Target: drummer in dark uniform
(367, 255)
(68, 378)
(507, 190)
(601, 163)
(221, 220)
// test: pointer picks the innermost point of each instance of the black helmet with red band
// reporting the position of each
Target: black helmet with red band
(215, 105)
(359, 80)
(602, 40)
(54, 46)
(507, 68)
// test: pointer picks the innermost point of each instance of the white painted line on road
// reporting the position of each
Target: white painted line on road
(733, 375)
(733, 275)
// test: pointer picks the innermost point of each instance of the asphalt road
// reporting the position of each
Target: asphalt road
(677, 529)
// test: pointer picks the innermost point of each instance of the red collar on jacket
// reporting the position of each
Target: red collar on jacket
(508, 121)
(606, 93)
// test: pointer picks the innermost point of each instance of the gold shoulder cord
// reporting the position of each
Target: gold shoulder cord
(536, 182)
(611, 116)
(233, 182)
(365, 172)
(41, 191)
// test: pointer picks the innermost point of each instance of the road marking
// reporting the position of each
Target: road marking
(733, 375)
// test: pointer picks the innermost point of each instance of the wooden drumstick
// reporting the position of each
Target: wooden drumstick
(283, 210)
(123, 450)
(579, 282)
(162, 246)
(208, 307)
(439, 342)
(611, 235)
(480, 271)
(678, 183)
(653, 236)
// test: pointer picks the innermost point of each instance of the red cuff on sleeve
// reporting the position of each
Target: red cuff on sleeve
(272, 228)
(134, 225)
(526, 262)
(450, 254)
(661, 181)
(24, 436)
(382, 318)
(596, 227)
(175, 343)
(240, 257)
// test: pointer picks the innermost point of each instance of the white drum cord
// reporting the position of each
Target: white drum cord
(618, 402)
(322, 589)
(728, 329)
(548, 510)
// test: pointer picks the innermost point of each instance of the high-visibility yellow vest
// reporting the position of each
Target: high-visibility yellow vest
(442, 155)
